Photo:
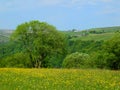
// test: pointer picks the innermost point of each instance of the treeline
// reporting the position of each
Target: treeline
(38, 44)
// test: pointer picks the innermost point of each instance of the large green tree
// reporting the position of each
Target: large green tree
(109, 55)
(40, 40)
(112, 47)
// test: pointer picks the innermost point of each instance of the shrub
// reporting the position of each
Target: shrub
(75, 60)
(17, 60)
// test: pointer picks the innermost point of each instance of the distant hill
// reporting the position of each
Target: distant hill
(4, 35)
(94, 33)
(90, 34)
(106, 29)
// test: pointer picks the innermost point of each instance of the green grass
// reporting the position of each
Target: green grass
(58, 79)
(97, 37)
(107, 29)
(100, 33)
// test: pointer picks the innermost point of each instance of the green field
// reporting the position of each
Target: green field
(58, 79)
(98, 37)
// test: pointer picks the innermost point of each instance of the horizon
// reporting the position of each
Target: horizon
(63, 14)
(70, 29)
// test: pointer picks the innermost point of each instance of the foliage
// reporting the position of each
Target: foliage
(98, 60)
(17, 60)
(75, 60)
(109, 55)
(9, 48)
(40, 40)
(79, 45)
(112, 47)
(44, 46)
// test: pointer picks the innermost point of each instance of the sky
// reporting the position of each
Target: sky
(63, 14)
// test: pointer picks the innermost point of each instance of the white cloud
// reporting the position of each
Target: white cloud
(83, 3)
(7, 5)
(108, 10)
(106, 1)
(92, 2)
(27, 4)
(101, 6)
(49, 2)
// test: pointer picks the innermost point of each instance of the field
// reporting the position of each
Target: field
(98, 37)
(58, 79)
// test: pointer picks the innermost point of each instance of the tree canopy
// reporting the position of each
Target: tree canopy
(40, 40)
(112, 47)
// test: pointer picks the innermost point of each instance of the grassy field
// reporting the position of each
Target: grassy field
(58, 79)
(97, 37)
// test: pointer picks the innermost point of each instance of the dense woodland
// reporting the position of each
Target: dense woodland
(38, 44)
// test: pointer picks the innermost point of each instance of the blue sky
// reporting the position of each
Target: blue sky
(63, 14)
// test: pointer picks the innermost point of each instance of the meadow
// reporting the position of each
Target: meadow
(58, 79)
(98, 37)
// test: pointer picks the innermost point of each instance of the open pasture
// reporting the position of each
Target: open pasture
(58, 79)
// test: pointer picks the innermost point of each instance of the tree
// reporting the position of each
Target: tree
(20, 60)
(76, 60)
(40, 40)
(112, 47)
(108, 56)
(98, 59)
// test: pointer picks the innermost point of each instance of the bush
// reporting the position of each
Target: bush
(98, 60)
(112, 47)
(109, 55)
(75, 60)
(17, 60)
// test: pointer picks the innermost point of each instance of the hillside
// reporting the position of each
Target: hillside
(94, 33)
(90, 34)
(4, 35)
(106, 29)
(88, 42)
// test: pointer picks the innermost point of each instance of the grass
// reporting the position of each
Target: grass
(58, 79)
(97, 37)
(90, 36)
